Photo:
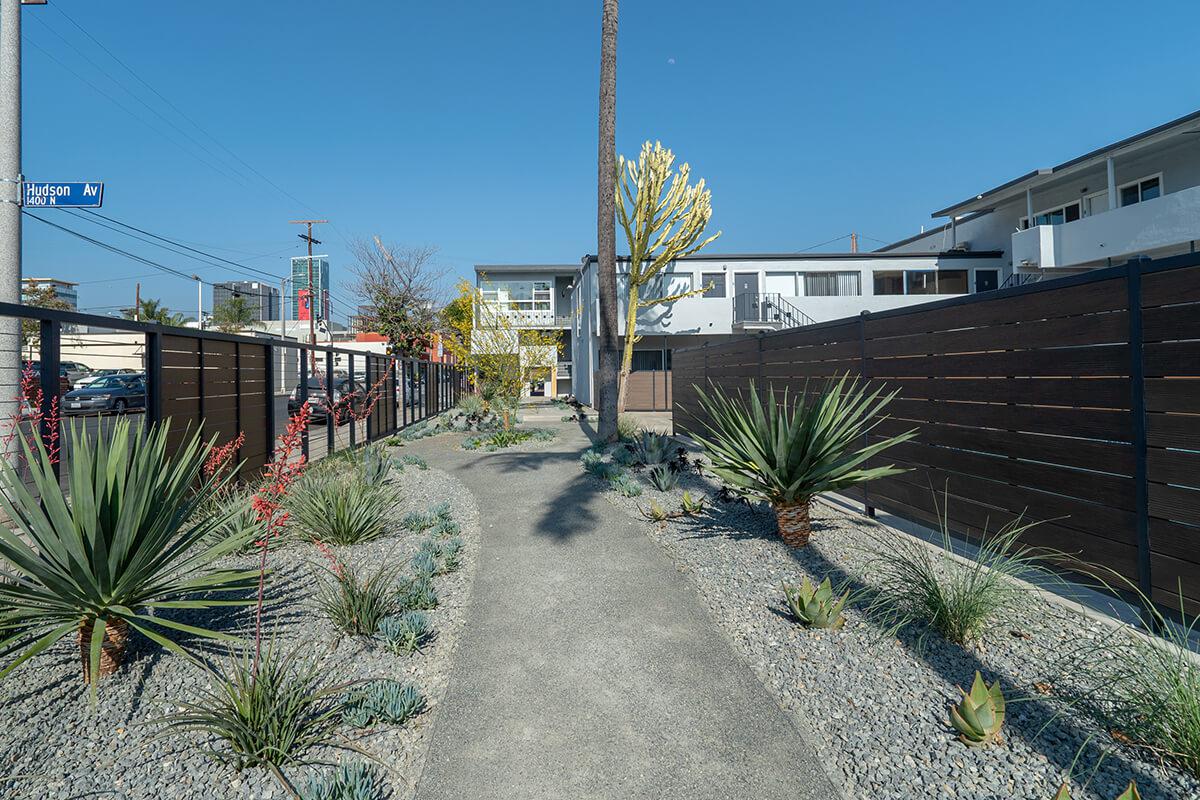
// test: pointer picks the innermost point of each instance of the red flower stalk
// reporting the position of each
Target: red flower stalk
(31, 395)
(286, 465)
(219, 458)
(334, 564)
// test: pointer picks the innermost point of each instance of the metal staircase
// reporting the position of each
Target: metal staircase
(754, 311)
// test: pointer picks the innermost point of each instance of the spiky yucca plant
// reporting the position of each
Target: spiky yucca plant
(816, 606)
(786, 451)
(979, 716)
(118, 545)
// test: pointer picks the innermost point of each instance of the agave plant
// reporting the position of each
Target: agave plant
(816, 606)
(663, 477)
(787, 450)
(651, 449)
(979, 716)
(126, 546)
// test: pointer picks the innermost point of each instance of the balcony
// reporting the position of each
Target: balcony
(528, 318)
(1121, 233)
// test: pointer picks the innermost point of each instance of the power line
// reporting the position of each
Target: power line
(822, 244)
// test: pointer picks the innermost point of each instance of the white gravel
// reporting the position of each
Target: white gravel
(55, 744)
(876, 705)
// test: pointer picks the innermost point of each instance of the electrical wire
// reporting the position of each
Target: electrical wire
(822, 244)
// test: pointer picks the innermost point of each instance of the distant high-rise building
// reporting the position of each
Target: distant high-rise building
(63, 290)
(365, 320)
(262, 298)
(320, 285)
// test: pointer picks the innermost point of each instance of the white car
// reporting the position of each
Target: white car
(83, 383)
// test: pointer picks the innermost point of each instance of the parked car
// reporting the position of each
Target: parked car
(347, 397)
(76, 370)
(115, 393)
(88, 380)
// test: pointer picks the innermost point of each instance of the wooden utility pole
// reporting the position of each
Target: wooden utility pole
(605, 394)
(853, 242)
(137, 302)
(312, 329)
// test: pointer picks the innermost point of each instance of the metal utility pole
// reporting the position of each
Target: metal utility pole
(312, 311)
(10, 200)
(199, 303)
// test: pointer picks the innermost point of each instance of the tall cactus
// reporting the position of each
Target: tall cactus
(664, 220)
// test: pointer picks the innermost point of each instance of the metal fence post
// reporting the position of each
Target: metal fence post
(50, 385)
(1137, 391)
(868, 509)
(370, 384)
(303, 397)
(353, 418)
(154, 369)
(404, 391)
(269, 388)
(330, 406)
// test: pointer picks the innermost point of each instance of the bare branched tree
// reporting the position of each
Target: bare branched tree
(405, 286)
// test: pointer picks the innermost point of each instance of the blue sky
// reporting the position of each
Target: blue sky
(472, 125)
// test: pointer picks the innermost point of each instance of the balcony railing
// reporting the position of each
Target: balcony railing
(769, 310)
(530, 318)
(564, 369)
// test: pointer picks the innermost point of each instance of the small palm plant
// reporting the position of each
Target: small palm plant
(126, 545)
(787, 451)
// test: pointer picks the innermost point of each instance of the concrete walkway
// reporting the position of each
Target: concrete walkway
(587, 667)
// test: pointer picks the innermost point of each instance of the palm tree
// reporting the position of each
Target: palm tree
(234, 315)
(154, 311)
(606, 256)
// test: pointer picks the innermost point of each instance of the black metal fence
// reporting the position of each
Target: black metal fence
(236, 385)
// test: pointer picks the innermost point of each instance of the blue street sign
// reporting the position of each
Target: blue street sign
(38, 194)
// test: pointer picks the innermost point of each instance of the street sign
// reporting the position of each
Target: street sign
(39, 194)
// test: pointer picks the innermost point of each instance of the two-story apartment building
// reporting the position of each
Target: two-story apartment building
(1136, 197)
(533, 297)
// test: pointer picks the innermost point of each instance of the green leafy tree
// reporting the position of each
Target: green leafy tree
(31, 329)
(234, 315)
(152, 310)
(664, 220)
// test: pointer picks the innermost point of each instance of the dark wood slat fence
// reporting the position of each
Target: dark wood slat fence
(1075, 402)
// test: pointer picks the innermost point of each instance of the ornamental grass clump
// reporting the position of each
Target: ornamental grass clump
(340, 508)
(354, 603)
(1146, 687)
(124, 551)
(273, 717)
(788, 450)
(960, 598)
(627, 427)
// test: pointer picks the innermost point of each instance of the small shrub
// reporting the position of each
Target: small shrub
(353, 781)
(542, 434)
(417, 594)
(371, 462)
(446, 528)
(405, 633)
(959, 598)
(424, 564)
(415, 461)
(382, 702)
(472, 405)
(663, 478)
(592, 461)
(451, 553)
(815, 606)
(272, 718)
(651, 449)
(625, 485)
(567, 419)
(598, 446)
(979, 716)
(343, 509)
(627, 427)
(418, 522)
(441, 511)
(691, 507)
(624, 456)
(356, 605)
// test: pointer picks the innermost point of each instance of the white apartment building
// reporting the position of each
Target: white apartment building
(1137, 197)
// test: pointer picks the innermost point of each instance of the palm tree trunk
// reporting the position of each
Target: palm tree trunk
(112, 651)
(795, 523)
(606, 251)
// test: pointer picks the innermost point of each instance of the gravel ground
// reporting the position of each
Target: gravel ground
(55, 744)
(877, 704)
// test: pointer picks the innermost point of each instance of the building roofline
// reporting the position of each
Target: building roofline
(51, 280)
(1102, 151)
(870, 255)
(527, 268)
(932, 231)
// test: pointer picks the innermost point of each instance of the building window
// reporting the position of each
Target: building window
(936, 281)
(1054, 216)
(715, 281)
(647, 360)
(987, 280)
(889, 282)
(518, 296)
(1141, 190)
(832, 284)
